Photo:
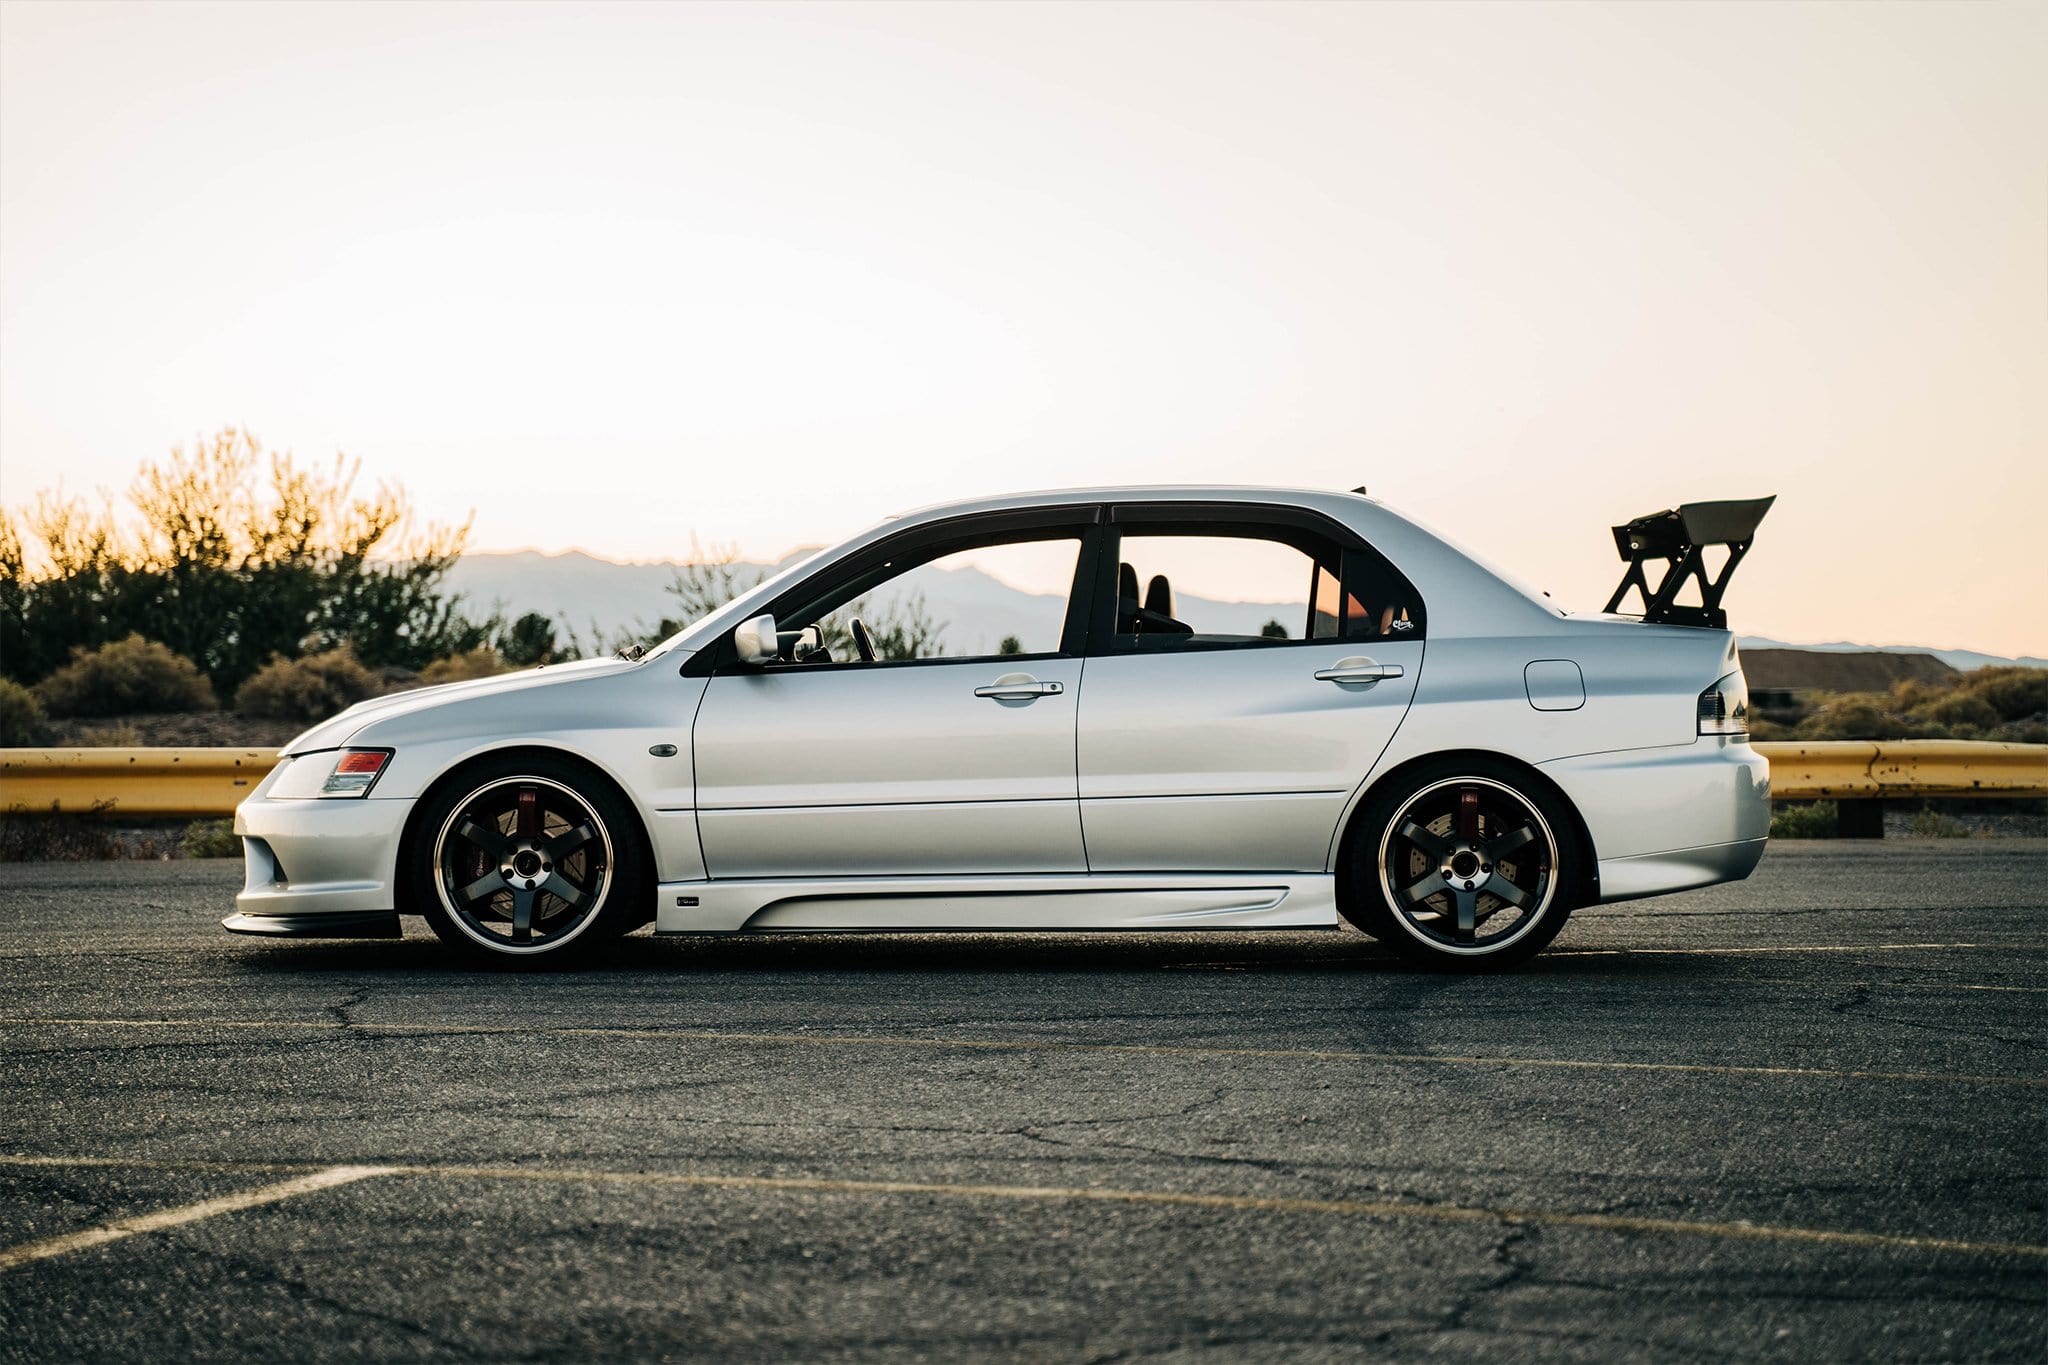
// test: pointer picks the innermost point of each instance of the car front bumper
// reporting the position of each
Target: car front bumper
(1671, 818)
(308, 859)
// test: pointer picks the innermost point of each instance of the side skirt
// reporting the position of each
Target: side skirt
(1069, 902)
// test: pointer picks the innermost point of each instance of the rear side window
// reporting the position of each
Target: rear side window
(1210, 585)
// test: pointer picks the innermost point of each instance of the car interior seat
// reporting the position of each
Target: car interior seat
(1159, 596)
(1126, 600)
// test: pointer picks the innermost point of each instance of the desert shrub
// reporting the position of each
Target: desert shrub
(2008, 704)
(1929, 823)
(228, 554)
(482, 662)
(1963, 715)
(125, 677)
(1853, 715)
(21, 717)
(210, 839)
(54, 836)
(529, 640)
(312, 688)
(2016, 694)
(1803, 820)
(120, 735)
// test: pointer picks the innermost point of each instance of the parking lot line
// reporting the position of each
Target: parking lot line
(1339, 1208)
(1789, 949)
(11, 1257)
(1040, 1045)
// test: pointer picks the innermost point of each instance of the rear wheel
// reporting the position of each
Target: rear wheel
(527, 859)
(1466, 865)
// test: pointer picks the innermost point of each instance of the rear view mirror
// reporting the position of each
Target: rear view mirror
(756, 640)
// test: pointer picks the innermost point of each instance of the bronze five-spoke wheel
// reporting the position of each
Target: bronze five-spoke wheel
(524, 860)
(1463, 868)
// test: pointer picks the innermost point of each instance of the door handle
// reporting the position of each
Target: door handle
(1019, 687)
(1358, 671)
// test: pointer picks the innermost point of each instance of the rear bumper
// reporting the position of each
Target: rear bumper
(1671, 818)
(311, 858)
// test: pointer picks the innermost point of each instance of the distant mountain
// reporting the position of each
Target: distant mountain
(598, 599)
(1961, 659)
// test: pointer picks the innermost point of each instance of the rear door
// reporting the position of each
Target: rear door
(1248, 665)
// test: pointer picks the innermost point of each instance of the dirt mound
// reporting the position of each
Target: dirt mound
(1828, 671)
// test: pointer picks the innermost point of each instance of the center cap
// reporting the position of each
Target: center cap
(526, 862)
(1466, 869)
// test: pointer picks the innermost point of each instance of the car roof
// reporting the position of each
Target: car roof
(1172, 492)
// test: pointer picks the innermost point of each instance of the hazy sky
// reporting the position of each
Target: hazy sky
(613, 275)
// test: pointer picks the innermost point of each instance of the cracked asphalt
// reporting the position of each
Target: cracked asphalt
(1799, 1117)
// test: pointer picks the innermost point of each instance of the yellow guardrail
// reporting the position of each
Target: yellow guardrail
(1856, 769)
(196, 783)
(191, 783)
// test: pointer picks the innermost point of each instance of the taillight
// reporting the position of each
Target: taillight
(1724, 707)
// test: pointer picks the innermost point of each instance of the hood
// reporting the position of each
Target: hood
(332, 734)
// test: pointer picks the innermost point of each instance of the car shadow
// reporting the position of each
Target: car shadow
(911, 954)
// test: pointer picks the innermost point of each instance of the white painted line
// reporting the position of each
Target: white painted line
(11, 1257)
(1394, 1209)
(1789, 949)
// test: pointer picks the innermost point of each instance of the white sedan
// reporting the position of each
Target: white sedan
(1410, 744)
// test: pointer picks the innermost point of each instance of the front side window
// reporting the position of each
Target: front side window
(1203, 585)
(983, 601)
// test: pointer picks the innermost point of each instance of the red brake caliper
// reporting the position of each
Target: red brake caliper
(1468, 814)
(529, 812)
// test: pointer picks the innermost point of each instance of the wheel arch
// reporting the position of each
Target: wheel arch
(1589, 882)
(454, 774)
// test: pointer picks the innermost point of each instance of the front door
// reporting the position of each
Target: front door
(949, 751)
(1228, 718)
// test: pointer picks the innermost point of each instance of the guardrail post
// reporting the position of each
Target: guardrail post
(1859, 819)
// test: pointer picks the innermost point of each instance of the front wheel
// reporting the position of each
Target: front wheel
(527, 860)
(1463, 865)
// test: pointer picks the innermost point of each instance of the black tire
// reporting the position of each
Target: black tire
(1457, 846)
(527, 860)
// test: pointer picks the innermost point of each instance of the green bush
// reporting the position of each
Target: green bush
(312, 688)
(121, 735)
(528, 641)
(229, 553)
(1929, 823)
(127, 677)
(210, 839)
(21, 717)
(2016, 694)
(54, 836)
(1805, 820)
(1853, 715)
(476, 663)
(2009, 704)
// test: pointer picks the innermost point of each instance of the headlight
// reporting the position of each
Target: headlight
(329, 773)
(1724, 707)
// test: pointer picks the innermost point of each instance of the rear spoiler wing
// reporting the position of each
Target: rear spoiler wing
(1677, 539)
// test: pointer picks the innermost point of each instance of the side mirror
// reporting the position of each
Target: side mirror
(757, 641)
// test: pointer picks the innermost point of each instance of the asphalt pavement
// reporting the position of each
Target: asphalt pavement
(1799, 1117)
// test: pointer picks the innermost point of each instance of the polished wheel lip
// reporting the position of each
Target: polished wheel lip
(460, 917)
(1530, 918)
